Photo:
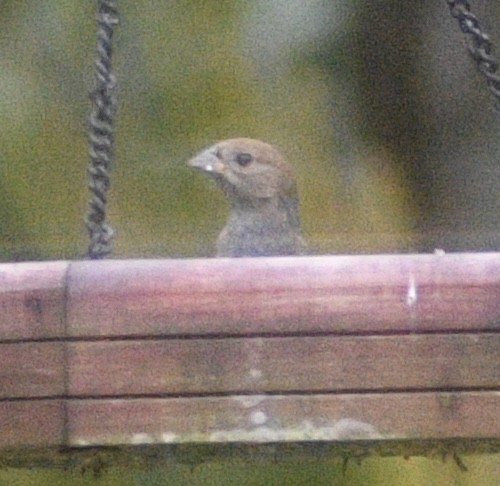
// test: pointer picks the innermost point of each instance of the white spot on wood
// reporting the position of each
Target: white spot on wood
(142, 438)
(348, 428)
(82, 442)
(258, 417)
(168, 437)
(255, 374)
(343, 429)
(250, 400)
(411, 295)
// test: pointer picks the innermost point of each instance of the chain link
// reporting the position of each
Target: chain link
(480, 45)
(101, 136)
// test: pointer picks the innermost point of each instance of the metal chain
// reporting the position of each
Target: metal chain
(101, 136)
(480, 45)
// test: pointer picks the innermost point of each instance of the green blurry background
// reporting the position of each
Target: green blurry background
(391, 131)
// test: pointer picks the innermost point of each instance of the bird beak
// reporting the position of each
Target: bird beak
(207, 161)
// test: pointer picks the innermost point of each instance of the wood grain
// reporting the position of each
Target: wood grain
(32, 298)
(335, 363)
(37, 423)
(340, 294)
(264, 418)
(31, 370)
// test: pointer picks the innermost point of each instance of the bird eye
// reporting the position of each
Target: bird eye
(244, 159)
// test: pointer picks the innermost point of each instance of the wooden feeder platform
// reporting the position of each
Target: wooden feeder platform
(316, 356)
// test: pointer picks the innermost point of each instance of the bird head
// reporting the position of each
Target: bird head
(247, 170)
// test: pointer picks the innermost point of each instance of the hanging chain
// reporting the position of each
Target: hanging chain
(101, 135)
(480, 45)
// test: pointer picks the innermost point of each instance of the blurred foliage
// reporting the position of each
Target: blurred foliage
(389, 128)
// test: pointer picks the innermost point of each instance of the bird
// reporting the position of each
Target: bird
(262, 194)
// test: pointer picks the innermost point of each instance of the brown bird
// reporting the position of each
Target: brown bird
(262, 195)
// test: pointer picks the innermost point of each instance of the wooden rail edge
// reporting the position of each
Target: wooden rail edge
(330, 294)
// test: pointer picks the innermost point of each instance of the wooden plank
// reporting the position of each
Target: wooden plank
(32, 369)
(337, 294)
(32, 299)
(237, 365)
(35, 423)
(262, 418)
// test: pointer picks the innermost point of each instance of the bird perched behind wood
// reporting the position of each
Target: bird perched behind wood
(262, 195)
